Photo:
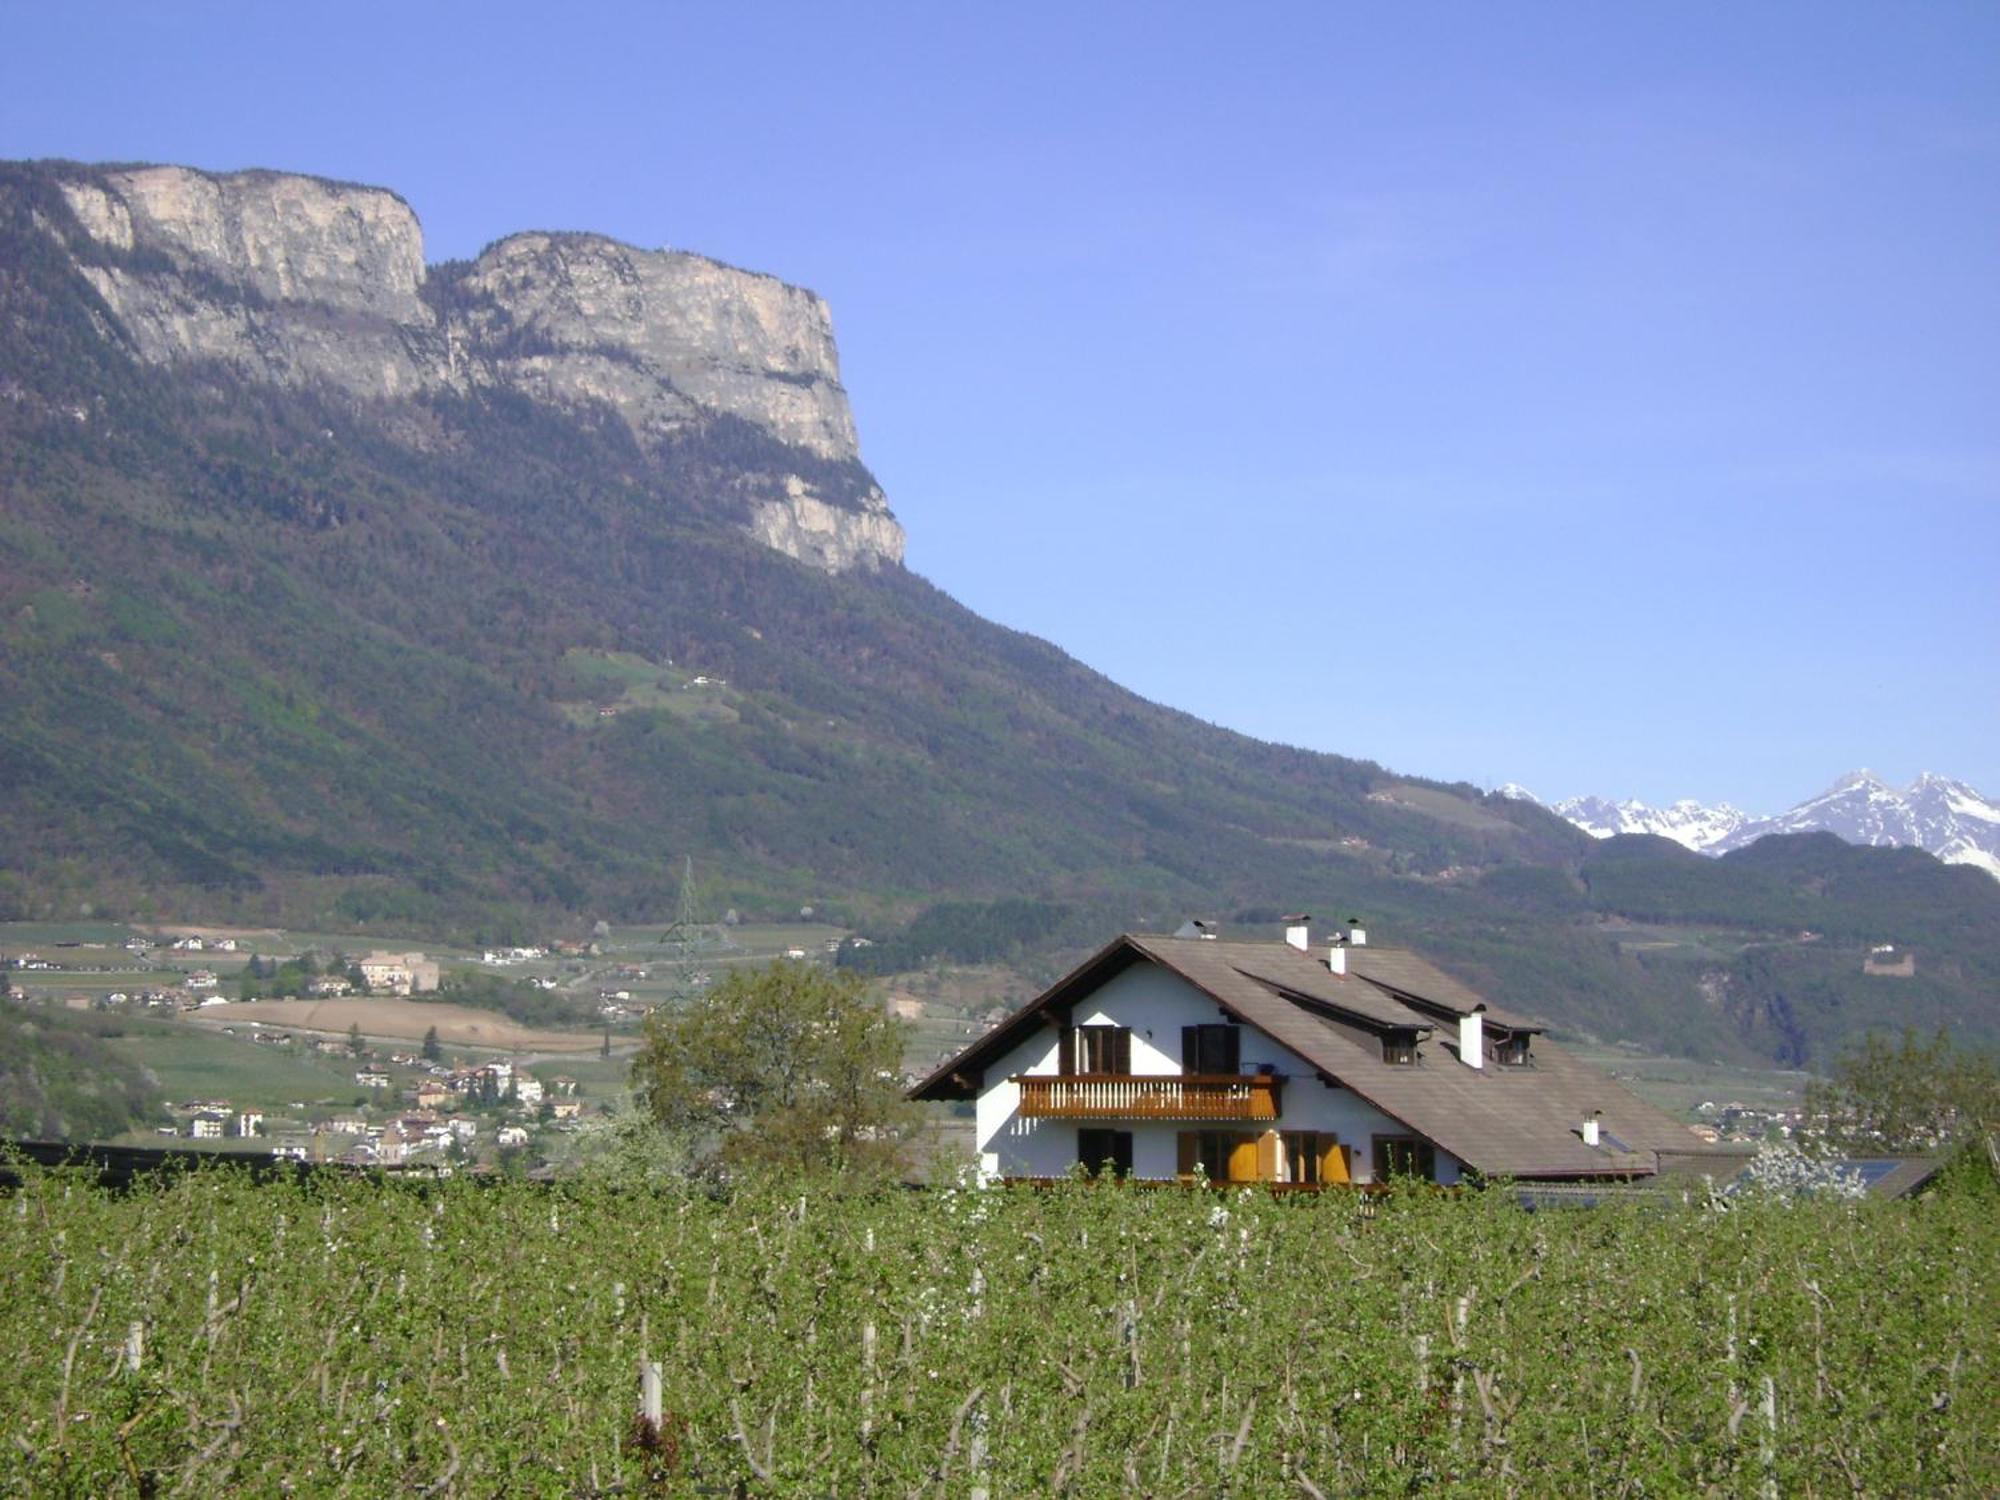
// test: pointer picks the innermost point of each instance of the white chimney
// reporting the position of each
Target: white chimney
(1590, 1131)
(1472, 1037)
(1336, 958)
(1356, 933)
(1298, 932)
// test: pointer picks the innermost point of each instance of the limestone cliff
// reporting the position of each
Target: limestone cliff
(302, 281)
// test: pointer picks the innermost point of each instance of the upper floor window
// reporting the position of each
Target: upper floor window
(1097, 1049)
(1512, 1051)
(1212, 1049)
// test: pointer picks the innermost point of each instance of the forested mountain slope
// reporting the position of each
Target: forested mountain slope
(476, 607)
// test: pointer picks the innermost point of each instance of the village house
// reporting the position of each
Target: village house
(328, 984)
(566, 1109)
(1195, 1058)
(511, 1137)
(369, 1078)
(250, 1122)
(207, 1126)
(528, 1089)
(399, 973)
(432, 1094)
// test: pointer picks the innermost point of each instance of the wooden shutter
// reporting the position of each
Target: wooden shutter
(1121, 1050)
(1188, 1144)
(1267, 1156)
(1066, 1060)
(1243, 1157)
(1333, 1162)
(1190, 1049)
(1228, 1049)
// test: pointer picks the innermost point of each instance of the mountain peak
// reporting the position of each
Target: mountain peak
(304, 283)
(1945, 817)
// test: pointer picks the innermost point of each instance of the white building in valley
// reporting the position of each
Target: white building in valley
(1194, 1058)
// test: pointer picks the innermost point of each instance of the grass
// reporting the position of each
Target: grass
(198, 1064)
(1678, 1084)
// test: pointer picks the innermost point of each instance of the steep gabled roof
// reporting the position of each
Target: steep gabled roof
(1517, 1121)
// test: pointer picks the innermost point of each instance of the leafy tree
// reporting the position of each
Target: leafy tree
(788, 1068)
(433, 1049)
(1916, 1094)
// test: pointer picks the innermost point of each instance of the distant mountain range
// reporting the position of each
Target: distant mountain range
(1934, 813)
(345, 591)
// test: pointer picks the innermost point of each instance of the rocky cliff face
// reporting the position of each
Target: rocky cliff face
(301, 281)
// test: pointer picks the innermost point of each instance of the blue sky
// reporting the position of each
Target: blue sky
(1602, 398)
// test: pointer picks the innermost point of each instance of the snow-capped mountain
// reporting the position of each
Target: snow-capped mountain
(1947, 817)
(1687, 822)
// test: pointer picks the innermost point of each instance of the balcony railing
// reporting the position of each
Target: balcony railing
(1125, 1096)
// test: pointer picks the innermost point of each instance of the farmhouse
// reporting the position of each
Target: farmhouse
(399, 973)
(1195, 1058)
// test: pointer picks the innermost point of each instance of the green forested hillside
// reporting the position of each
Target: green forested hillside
(280, 657)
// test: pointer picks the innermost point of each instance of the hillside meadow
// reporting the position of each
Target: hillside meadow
(331, 1334)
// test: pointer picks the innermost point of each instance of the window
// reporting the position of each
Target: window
(1512, 1051)
(1211, 1049)
(1310, 1158)
(1404, 1156)
(1097, 1050)
(1399, 1047)
(1098, 1150)
(1222, 1155)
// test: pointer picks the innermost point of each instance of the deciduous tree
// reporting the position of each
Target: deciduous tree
(791, 1068)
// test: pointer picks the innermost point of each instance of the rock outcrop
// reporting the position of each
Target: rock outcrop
(302, 281)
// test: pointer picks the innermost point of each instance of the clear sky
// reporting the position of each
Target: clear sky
(1604, 398)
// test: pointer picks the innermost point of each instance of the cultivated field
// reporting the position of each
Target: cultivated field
(359, 1337)
(392, 1019)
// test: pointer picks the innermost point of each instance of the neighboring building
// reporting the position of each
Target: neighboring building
(207, 1126)
(250, 1122)
(368, 1078)
(567, 1109)
(1193, 1057)
(432, 1094)
(201, 979)
(528, 1088)
(328, 984)
(399, 973)
(511, 1137)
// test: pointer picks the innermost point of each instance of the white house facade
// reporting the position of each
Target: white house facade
(1195, 1059)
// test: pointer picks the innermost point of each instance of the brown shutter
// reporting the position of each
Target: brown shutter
(1066, 1062)
(1188, 1143)
(1121, 1050)
(1243, 1156)
(1231, 1038)
(1267, 1156)
(1190, 1049)
(1333, 1162)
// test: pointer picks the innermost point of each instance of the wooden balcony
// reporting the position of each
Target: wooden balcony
(1172, 1096)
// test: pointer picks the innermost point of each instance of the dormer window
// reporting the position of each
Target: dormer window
(1512, 1051)
(1399, 1047)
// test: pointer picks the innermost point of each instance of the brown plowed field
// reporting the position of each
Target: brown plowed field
(394, 1019)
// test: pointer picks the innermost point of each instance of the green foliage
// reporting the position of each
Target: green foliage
(787, 1068)
(60, 1081)
(1917, 1093)
(470, 1339)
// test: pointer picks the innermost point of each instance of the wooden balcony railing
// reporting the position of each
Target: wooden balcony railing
(1125, 1096)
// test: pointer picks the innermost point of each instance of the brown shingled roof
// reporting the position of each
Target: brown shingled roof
(1515, 1121)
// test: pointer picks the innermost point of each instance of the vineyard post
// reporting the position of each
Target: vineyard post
(867, 1379)
(975, 1453)
(135, 1346)
(649, 1393)
(1767, 1445)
